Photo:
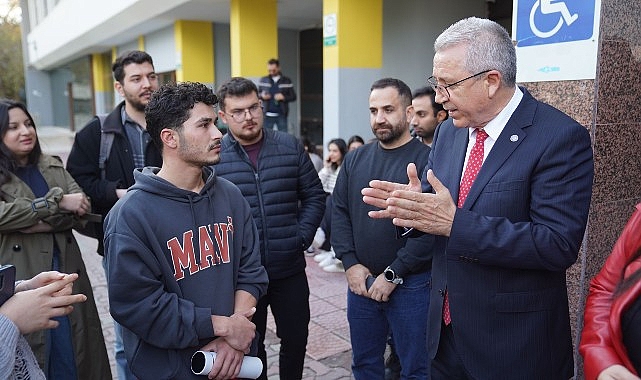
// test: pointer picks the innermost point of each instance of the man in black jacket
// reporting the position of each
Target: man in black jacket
(135, 80)
(276, 91)
(274, 173)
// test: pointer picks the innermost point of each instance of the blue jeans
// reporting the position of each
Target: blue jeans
(280, 122)
(405, 315)
(124, 373)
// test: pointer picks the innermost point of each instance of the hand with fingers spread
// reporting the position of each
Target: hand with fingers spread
(408, 207)
(379, 191)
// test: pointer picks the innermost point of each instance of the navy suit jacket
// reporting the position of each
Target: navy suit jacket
(519, 230)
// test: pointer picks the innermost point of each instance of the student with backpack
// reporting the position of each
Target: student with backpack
(131, 147)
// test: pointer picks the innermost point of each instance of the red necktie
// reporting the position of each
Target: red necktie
(474, 163)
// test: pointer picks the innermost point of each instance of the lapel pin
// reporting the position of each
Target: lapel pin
(514, 138)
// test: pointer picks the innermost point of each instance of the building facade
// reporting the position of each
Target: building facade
(333, 50)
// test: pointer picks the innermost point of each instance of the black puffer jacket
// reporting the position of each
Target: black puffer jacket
(285, 195)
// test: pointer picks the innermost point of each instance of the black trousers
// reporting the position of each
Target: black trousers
(289, 302)
(447, 364)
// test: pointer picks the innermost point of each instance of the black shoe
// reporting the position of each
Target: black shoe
(392, 367)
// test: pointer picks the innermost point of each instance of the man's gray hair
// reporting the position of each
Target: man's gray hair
(489, 46)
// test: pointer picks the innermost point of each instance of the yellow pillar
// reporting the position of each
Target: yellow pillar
(352, 61)
(253, 36)
(101, 71)
(195, 51)
(102, 81)
(358, 39)
(141, 43)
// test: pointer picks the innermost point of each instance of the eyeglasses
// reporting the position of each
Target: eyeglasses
(240, 115)
(443, 90)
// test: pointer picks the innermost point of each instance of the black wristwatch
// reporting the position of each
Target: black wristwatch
(390, 276)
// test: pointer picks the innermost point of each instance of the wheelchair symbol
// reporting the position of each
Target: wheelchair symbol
(548, 7)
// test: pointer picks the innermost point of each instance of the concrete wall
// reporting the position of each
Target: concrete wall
(409, 30)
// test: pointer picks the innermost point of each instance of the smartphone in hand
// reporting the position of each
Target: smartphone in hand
(7, 282)
(369, 280)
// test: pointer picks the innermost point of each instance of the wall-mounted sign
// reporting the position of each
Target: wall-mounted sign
(555, 39)
(329, 30)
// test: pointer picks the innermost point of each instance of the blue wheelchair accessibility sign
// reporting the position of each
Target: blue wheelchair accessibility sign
(541, 22)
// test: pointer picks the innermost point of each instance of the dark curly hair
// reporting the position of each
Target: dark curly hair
(8, 162)
(170, 106)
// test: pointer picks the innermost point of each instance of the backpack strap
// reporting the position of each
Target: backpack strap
(106, 141)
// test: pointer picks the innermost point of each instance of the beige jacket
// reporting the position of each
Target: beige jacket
(33, 253)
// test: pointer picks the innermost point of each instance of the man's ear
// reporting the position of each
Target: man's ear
(169, 138)
(222, 116)
(441, 115)
(493, 82)
(409, 112)
(118, 88)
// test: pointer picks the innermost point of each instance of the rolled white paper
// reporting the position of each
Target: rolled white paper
(203, 361)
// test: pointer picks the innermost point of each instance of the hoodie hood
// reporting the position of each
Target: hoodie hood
(147, 179)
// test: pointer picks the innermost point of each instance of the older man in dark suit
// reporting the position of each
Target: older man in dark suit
(506, 192)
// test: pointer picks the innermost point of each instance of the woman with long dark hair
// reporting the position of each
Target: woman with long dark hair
(40, 203)
(337, 148)
(336, 152)
(611, 337)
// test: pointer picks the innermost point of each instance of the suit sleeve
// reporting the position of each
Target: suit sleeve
(597, 346)
(557, 191)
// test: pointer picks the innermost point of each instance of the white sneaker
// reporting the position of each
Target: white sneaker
(338, 267)
(323, 255)
(329, 261)
(319, 238)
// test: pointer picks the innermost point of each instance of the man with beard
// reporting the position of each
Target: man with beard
(276, 176)
(185, 274)
(388, 280)
(276, 92)
(135, 80)
(426, 115)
